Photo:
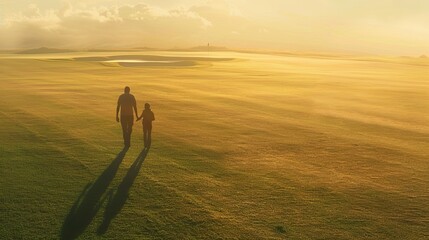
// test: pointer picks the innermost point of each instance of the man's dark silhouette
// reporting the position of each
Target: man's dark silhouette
(126, 103)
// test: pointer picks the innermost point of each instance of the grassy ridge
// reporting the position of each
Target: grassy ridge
(260, 147)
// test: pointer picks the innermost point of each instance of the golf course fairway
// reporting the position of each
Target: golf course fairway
(245, 146)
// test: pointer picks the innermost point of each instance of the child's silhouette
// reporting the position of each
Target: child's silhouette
(148, 117)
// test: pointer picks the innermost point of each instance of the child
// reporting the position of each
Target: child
(148, 117)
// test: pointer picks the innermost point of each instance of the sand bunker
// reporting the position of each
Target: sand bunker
(137, 61)
(151, 60)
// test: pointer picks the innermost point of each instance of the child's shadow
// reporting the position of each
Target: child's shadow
(89, 202)
(116, 200)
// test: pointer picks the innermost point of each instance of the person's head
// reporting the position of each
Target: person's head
(127, 89)
(146, 106)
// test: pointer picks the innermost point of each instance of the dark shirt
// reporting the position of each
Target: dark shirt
(148, 117)
(127, 102)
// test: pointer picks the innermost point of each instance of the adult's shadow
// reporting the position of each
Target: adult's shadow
(89, 202)
(116, 200)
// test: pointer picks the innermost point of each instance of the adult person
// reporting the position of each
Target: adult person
(126, 103)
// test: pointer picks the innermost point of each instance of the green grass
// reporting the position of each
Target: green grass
(262, 147)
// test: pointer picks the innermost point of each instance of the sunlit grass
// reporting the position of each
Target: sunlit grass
(256, 146)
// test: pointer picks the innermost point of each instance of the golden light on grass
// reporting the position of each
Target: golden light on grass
(289, 120)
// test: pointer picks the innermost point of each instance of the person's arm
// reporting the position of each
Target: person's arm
(117, 110)
(153, 116)
(135, 107)
(138, 118)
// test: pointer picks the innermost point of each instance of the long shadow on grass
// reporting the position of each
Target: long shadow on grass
(117, 200)
(88, 203)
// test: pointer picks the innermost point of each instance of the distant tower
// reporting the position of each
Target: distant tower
(208, 47)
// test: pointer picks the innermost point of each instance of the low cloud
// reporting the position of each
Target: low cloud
(360, 26)
(117, 26)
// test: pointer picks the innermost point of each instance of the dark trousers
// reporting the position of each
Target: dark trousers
(127, 128)
(147, 135)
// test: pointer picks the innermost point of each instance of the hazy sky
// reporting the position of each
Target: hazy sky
(398, 27)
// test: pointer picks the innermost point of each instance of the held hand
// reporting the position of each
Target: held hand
(117, 119)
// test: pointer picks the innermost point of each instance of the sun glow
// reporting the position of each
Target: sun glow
(370, 27)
